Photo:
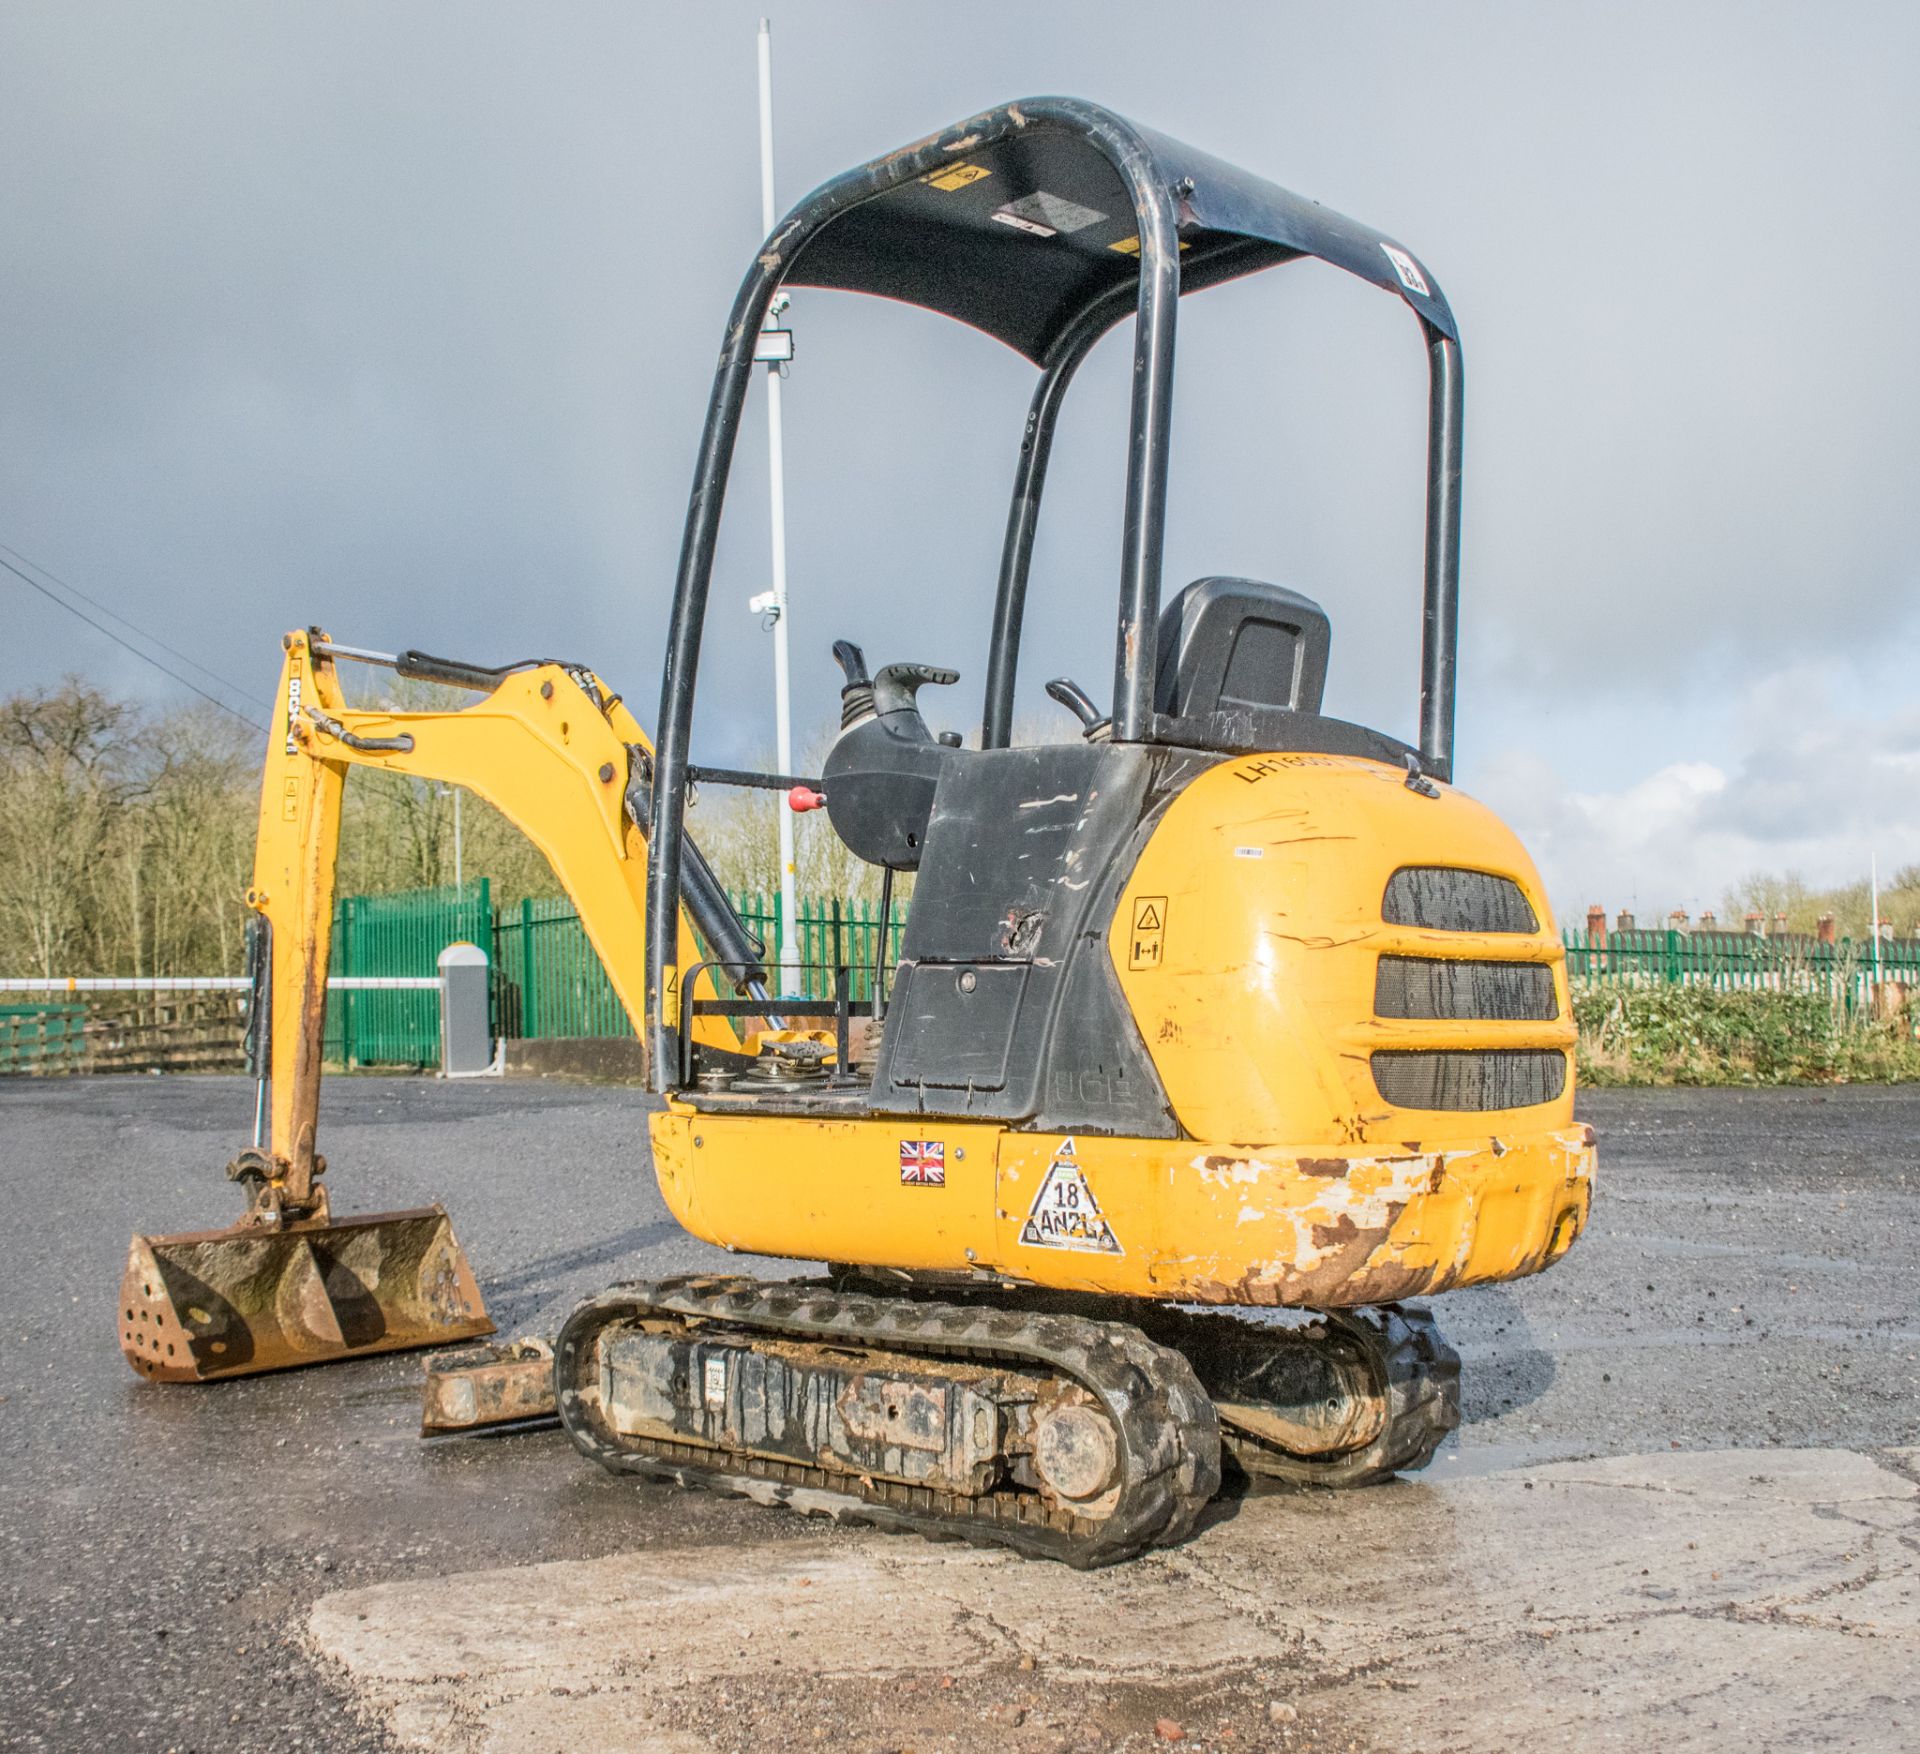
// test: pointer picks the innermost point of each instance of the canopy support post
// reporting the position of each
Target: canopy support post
(1136, 649)
(1441, 614)
(1023, 514)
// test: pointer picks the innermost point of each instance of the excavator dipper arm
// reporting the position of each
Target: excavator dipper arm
(559, 755)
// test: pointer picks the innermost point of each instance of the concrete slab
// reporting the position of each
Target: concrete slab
(1718, 1600)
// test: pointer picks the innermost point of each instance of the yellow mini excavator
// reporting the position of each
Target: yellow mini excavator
(1223, 1009)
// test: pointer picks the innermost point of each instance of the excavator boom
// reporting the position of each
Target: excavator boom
(290, 1284)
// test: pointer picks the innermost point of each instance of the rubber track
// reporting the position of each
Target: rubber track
(1169, 1434)
(1421, 1375)
(1419, 1371)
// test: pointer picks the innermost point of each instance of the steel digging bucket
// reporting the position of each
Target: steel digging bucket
(217, 1303)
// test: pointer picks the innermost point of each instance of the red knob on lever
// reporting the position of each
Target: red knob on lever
(804, 798)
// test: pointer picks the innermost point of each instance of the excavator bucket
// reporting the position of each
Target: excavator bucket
(218, 1303)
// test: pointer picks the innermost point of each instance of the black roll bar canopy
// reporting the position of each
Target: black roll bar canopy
(1044, 223)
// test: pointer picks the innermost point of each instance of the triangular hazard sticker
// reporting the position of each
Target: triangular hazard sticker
(1147, 919)
(1065, 1215)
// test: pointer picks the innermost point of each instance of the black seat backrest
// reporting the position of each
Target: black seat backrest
(1228, 644)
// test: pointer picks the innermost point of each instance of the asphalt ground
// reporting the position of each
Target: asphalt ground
(1747, 1284)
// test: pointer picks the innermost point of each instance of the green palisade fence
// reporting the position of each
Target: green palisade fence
(832, 932)
(548, 981)
(1740, 960)
(399, 934)
(547, 978)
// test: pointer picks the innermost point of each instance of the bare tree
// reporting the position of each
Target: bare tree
(63, 753)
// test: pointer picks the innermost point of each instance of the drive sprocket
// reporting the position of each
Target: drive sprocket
(1415, 1385)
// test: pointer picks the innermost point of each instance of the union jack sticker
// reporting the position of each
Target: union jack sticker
(923, 1163)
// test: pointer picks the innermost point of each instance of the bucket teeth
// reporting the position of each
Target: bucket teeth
(236, 1302)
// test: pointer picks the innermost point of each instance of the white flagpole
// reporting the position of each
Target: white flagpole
(776, 474)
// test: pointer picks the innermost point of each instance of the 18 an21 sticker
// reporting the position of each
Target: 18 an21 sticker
(1065, 1215)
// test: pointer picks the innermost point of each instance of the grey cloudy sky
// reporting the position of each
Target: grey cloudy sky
(400, 318)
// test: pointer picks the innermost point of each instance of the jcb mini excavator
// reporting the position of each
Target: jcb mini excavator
(1223, 1005)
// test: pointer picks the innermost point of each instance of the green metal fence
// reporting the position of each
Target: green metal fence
(547, 978)
(1783, 963)
(832, 932)
(398, 934)
(548, 981)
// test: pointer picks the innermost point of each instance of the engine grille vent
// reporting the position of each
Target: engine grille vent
(1471, 1078)
(1417, 986)
(1444, 899)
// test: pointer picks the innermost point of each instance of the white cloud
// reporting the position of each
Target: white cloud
(1815, 791)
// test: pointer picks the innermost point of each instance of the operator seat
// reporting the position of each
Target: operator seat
(1231, 644)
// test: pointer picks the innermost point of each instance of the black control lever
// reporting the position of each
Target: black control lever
(896, 687)
(856, 696)
(1078, 702)
(853, 661)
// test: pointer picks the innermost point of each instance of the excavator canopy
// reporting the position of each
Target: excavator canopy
(1025, 222)
(1044, 223)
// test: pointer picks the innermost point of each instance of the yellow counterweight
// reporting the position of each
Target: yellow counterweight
(1249, 941)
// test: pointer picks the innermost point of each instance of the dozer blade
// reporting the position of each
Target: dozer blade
(219, 1303)
(482, 1387)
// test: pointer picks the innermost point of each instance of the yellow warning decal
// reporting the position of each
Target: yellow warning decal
(957, 176)
(1149, 931)
(1131, 246)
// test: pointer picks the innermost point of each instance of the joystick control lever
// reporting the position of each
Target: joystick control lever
(1078, 702)
(856, 695)
(896, 688)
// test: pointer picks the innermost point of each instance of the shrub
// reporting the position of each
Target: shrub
(1703, 1035)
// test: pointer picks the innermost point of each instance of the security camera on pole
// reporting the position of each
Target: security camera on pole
(775, 350)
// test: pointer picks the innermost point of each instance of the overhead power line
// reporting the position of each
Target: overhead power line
(107, 609)
(126, 644)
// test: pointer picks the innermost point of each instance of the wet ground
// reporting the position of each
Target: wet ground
(1681, 1511)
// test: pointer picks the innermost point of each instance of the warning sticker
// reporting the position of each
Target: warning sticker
(1065, 1214)
(1047, 215)
(1131, 246)
(1149, 932)
(957, 176)
(1409, 271)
